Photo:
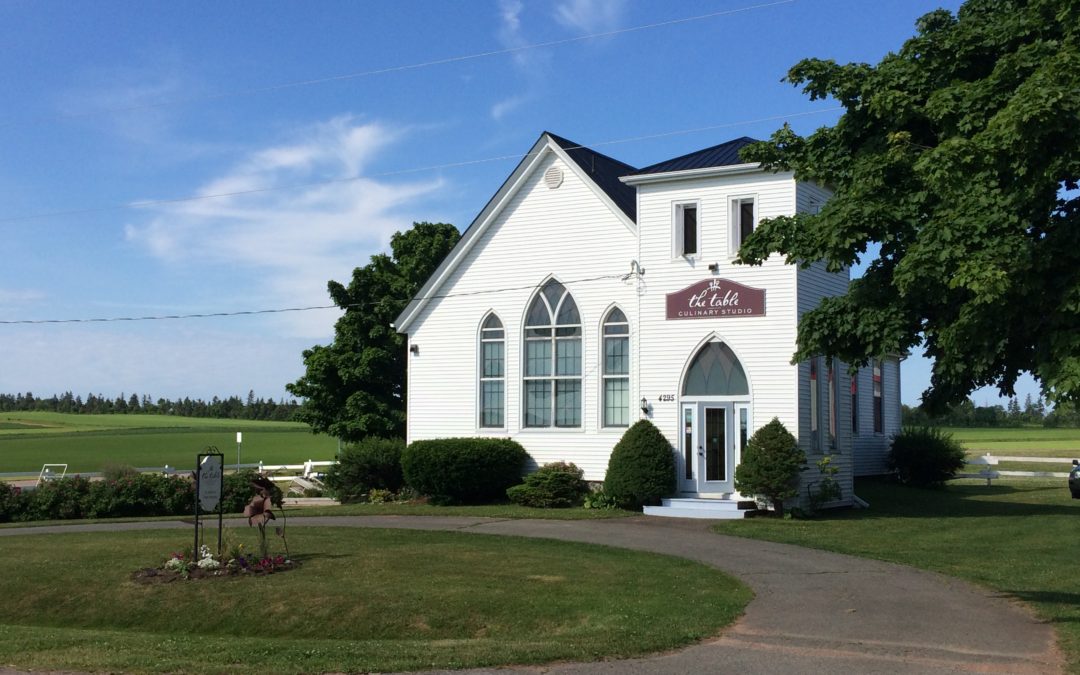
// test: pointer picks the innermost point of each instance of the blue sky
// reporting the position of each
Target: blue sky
(121, 101)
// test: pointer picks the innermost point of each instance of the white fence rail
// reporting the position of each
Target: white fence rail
(990, 474)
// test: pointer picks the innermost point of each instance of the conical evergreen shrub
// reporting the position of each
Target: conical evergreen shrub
(642, 467)
(770, 465)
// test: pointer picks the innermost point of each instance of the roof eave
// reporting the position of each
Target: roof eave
(706, 172)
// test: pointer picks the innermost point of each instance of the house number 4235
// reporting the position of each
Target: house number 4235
(666, 398)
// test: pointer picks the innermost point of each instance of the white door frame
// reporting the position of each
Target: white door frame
(736, 419)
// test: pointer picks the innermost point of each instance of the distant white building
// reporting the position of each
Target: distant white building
(588, 294)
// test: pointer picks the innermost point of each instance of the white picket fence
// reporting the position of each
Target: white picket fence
(989, 461)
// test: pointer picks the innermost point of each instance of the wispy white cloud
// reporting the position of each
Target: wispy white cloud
(590, 16)
(504, 107)
(290, 240)
(20, 296)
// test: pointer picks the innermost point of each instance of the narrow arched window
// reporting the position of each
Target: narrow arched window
(616, 370)
(492, 373)
(553, 359)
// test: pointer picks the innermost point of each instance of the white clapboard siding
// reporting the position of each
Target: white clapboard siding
(763, 344)
(567, 232)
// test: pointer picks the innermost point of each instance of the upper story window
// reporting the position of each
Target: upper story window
(743, 221)
(879, 407)
(815, 419)
(855, 403)
(833, 396)
(616, 371)
(552, 359)
(492, 373)
(687, 235)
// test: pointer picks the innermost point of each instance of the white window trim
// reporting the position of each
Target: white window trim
(603, 377)
(480, 428)
(677, 229)
(734, 235)
(523, 426)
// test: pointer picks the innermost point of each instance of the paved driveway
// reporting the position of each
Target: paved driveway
(814, 612)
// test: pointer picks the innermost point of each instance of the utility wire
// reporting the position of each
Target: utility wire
(397, 172)
(402, 68)
(254, 312)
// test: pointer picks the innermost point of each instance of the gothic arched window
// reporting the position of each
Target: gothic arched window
(552, 359)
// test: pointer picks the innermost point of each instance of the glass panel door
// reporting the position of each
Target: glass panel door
(715, 443)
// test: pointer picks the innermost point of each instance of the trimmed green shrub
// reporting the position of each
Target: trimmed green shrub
(371, 464)
(552, 486)
(463, 470)
(641, 469)
(770, 465)
(237, 491)
(925, 456)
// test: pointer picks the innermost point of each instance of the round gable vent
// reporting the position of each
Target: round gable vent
(553, 177)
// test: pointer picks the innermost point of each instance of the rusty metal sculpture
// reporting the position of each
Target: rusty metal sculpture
(259, 511)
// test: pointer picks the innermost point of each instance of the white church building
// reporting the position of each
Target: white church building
(588, 294)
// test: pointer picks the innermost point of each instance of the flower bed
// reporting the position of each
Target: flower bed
(185, 565)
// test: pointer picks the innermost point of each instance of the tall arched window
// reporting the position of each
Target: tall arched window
(492, 373)
(553, 359)
(616, 371)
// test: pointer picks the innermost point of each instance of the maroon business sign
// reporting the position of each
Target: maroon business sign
(715, 299)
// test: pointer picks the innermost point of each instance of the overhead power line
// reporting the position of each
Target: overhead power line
(396, 172)
(282, 310)
(399, 68)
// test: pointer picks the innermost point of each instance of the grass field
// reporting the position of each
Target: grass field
(88, 442)
(1030, 441)
(1017, 536)
(363, 600)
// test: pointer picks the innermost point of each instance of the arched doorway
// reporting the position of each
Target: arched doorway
(714, 420)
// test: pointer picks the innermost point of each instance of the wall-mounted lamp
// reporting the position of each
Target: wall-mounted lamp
(644, 405)
(714, 267)
(415, 349)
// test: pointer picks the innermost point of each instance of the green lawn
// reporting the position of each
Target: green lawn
(1031, 441)
(1017, 536)
(363, 600)
(88, 442)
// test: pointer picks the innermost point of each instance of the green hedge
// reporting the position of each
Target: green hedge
(771, 465)
(641, 469)
(371, 464)
(128, 495)
(463, 470)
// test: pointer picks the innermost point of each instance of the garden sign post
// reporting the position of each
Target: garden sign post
(208, 488)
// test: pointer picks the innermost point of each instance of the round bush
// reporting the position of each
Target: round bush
(770, 465)
(642, 467)
(371, 464)
(555, 485)
(925, 456)
(463, 470)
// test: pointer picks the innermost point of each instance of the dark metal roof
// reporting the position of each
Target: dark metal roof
(605, 172)
(725, 154)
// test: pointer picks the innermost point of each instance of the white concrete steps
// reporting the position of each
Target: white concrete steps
(698, 507)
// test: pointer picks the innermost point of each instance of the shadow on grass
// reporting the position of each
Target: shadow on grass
(1069, 603)
(890, 500)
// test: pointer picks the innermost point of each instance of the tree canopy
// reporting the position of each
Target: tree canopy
(954, 172)
(355, 386)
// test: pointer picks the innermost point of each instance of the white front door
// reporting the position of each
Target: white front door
(715, 448)
(709, 446)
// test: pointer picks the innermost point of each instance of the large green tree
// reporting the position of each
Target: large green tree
(954, 169)
(355, 386)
